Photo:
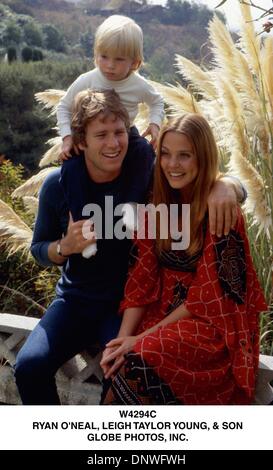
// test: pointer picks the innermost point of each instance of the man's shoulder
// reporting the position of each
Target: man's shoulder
(140, 152)
(139, 144)
(73, 163)
(51, 185)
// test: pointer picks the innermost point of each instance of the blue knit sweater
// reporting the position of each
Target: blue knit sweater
(101, 277)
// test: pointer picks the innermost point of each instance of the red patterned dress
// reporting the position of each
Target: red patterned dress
(207, 359)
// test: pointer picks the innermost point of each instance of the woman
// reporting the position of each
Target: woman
(189, 333)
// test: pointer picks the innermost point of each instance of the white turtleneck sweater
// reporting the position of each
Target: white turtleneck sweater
(132, 91)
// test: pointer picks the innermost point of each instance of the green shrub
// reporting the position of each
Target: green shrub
(25, 287)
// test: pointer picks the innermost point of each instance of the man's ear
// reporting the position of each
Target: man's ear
(81, 146)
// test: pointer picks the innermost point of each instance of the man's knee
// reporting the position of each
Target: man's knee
(35, 379)
(29, 367)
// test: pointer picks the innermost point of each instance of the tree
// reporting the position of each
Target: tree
(33, 2)
(87, 43)
(37, 55)
(160, 66)
(12, 54)
(24, 126)
(33, 34)
(12, 34)
(54, 40)
(22, 282)
(180, 12)
(27, 54)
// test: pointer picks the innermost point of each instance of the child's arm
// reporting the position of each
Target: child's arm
(156, 106)
(65, 105)
(67, 146)
(153, 131)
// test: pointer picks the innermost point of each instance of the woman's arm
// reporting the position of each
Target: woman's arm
(131, 319)
(116, 349)
(143, 287)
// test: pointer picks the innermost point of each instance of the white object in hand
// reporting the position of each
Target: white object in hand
(89, 251)
(92, 249)
(129, 215)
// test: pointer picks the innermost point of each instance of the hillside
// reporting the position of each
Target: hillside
(47, 44)
(180, 29)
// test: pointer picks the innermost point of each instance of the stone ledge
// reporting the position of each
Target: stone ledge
(71, 392)
(70, 379)
(264, 391)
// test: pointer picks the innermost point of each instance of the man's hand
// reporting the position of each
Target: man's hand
(222, 204)
(75, 239)
(153, 131)
(67, 146)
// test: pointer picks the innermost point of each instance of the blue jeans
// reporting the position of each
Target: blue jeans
(68, 326)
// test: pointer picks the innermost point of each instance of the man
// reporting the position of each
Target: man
(89, 290)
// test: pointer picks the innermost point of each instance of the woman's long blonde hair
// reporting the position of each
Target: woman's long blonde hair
(198, 131)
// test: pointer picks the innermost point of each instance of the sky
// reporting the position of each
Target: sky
(231, 10)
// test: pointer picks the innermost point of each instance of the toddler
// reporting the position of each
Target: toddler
(118, 54)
